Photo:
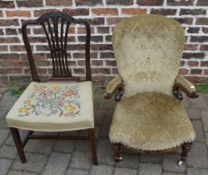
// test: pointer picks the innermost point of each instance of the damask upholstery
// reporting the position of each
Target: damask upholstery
(53, 106)
(151, 121)
(185, 85)
(113, 85)
(148, 49)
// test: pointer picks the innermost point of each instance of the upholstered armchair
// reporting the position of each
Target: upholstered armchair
(149, 116)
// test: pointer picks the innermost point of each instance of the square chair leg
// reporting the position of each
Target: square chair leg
(18, 144)
(92, 140)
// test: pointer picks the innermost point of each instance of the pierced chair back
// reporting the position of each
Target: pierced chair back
(148, 49)
(56, 28)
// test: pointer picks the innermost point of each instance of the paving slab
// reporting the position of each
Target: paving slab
(35, 163)
(57, 164)
(150, 169)
(4, 166)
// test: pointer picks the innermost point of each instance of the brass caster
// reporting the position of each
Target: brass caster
(180, 162)
(118, 159)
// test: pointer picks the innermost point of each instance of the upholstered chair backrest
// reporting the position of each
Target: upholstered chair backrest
(148, 49)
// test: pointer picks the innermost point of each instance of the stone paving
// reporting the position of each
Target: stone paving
(74, 157)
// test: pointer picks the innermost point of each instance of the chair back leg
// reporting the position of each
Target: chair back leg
(92, 140)
(18, 144)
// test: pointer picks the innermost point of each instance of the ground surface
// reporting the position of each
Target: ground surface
(74, 157)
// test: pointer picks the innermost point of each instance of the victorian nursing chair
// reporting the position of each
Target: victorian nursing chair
(149, 116)
(63, 103)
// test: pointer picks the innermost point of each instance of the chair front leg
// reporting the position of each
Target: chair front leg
(18, 144)
(92, 140)
(186, 147)
(116, 150)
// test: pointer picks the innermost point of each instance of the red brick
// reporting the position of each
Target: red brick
(205, 71)
(202, 21)
(30, 3)
(101, 70)
(163, 11)
(103, 29)
(4, 48)
(192, 12)
(77, 12)
(193, 30)
(10, 70)
(190, 46)
(205, 29)
(97, 62)
(105, 11)
(110, 62)
(6, 4)
(133, 11)
(17, 48)
(204, 47)
(202, 2)
(200, 39)
(9, 22)
(11, 31)
(23, 13)
(180, 3)
(59, 2)
(196, 71)
(183, 71)
(193, 63)
(9, 40)
(150, 2)
(204, 63)
(196, 55)
(89, 2)
(184, 20)
(119, 2)
(43, 11)
(113, 20)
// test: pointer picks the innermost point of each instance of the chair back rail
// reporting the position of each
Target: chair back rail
(56, 26)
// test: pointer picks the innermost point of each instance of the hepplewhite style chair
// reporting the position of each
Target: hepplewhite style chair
(149, 116)
(61, 104)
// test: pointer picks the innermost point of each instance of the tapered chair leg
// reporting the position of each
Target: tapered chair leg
(186, 147)
(18, 144)
(116, 150)
(92, 140)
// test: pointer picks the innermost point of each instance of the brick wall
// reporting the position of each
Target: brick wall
(103, 15)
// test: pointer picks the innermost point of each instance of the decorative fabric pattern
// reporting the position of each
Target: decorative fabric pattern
(53, 107)
(113, 85)
(148, 50)
(151, 121)
(49, 101)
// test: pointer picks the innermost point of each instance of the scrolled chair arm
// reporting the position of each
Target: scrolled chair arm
(116, 84)
(181, 83)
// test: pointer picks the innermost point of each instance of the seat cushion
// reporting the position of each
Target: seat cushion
(152, 122)
(53, 106)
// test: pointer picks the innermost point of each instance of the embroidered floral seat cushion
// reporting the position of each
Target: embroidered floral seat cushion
(52, 107)
(151, 121)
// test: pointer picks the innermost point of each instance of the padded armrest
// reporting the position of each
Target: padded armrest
(186, 86)
(112, 86)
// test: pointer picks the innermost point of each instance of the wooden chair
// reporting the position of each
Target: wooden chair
(63, 103)
(149, 116)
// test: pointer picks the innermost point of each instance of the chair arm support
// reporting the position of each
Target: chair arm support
(115, 84)
(186, 86)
